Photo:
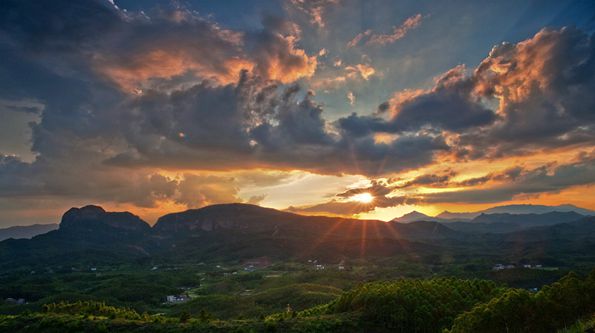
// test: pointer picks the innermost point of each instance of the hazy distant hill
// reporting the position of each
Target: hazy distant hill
(537, 209)
(27, 231)
(529, 219)
(415, 216)
(502, 223)
(447, 216)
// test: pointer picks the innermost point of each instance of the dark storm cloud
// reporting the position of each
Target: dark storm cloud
(97, 140)
(433, 180)
(450, 106)
(257, 125)
(76, 57)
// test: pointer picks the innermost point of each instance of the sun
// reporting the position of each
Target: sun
(362, 197)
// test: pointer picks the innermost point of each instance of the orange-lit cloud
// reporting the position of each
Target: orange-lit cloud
(187, 47)
(383, 39)
(204, 106)
(167, 64)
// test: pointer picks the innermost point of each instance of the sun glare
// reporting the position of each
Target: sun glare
(362, 197)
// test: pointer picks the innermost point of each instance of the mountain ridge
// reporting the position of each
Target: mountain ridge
(519, 209)
(26, 231)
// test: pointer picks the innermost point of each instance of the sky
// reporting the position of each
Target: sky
(366, 109)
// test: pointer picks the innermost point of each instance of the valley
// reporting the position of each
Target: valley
(227, 263)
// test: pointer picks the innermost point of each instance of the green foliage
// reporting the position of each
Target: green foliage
(184, 317)
(415, 305)
(255, 304)
(556, 306)
(404, 305)
(91, 308)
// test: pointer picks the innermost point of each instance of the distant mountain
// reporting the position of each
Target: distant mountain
(447, 216)
(537, 209)
(27, 231)
(529, 219)
(415, 216)
(503, 223)
(574, 232)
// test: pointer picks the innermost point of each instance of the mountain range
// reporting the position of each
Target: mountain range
(240, 231)
(27, 231)
(447, 216)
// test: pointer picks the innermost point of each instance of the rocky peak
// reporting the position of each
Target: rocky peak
(94, 217)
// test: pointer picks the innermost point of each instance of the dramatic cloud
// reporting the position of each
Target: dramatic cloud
(448, 106)
(343, 204)
(275, 52)
(541, 88)
(383, 39)
(544, 88)
(139, 50)
(166, 106)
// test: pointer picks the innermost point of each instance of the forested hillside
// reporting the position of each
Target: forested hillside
(411, 305)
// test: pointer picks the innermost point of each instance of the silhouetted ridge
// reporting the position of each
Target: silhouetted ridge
(94, 218)
(529, 219)
(26, 231)
(222, 216)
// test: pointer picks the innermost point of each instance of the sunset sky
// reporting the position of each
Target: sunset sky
(367, 108)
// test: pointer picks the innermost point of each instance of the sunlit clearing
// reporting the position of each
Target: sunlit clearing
(362, 197)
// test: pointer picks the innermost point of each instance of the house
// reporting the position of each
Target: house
(177, 298)
(499, 267)
(18, 301)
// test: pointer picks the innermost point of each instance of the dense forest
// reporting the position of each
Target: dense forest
(403, 305)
